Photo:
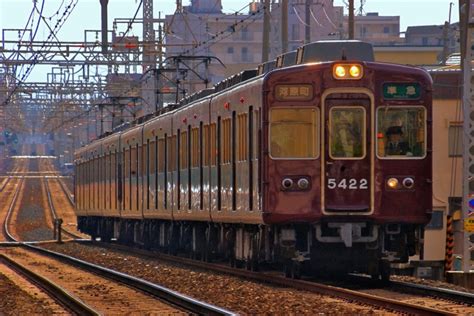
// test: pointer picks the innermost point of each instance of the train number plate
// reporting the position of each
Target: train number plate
(348, 184)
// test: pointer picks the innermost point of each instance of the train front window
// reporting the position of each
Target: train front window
(347, 132)
(294, 133)
(401, 132)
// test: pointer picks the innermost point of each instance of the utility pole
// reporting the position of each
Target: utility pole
(307, 21)
(467, 54)
(351, 19)
(447, 25)
(284, 26)
(266, 31)
(103, 5)
(149, 57)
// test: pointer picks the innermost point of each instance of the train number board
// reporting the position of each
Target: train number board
(401, 91)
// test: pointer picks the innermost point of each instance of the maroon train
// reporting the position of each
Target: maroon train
(325, 164)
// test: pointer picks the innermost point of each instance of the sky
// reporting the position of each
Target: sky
(86, 14)
(14, 13)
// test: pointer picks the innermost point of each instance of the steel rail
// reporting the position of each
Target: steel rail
(406, 287)
(5, 183)
(6, 231)
(66, 192)
(53, 210)
(182, 301)
(337, 292)
(452, 295)
(60, 295)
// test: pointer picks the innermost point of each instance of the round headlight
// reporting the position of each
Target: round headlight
(340, 71)
(354, 71)
(303, 183)
(392, 183)
(408, 183)
(287, 183)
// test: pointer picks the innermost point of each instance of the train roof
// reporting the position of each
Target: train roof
(235, 79)
(335, 50)
(266, 67)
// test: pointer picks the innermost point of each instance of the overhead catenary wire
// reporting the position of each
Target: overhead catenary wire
(34, 59)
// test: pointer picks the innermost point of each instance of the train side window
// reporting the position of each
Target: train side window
(347, 132)
(290, 124)
(242, 154)
(233, 160)
(172, 153)
(250, 155)
(195, 151)
(401, 132)
(200, 163)
(164, 154)
(189, 161)
(161, 155)
(113, 180)
(151, 170)
(206, 145)
(226, 141)
(219, 161)
(183, 150)
(213, 144)
(107, 181)
(149, 161)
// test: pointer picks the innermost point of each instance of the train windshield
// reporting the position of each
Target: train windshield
(347, 132)
(294, 133)
(401, 132)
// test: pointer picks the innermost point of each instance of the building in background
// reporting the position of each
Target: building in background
(202, 29)
(374, 28)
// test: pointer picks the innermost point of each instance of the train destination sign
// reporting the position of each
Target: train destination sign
(401, 91)
(293, 92)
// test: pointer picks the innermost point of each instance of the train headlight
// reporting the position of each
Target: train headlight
(340, 71)
(355, 71)
(408, 183)
(347, 71)
(392, 183)
(303, 183)
(287, 183)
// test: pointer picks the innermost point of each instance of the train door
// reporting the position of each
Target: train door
(347, 163)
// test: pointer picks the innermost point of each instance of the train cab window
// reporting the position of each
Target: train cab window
(294, 133)
(401, 132)
(347, 132)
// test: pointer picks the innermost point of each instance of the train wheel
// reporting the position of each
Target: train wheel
(385, 271)
(251, 264)
(293, 269)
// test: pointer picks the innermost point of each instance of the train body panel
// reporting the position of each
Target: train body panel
(111, 150)
(230, 176)
(192, 197)
(343, 182)
(157, 199)
(131, 148)
(80, 179)
(327, 163)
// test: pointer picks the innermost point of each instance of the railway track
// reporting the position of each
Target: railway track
(453, 305)
(55, 215)
(61, 296)
(70, 281)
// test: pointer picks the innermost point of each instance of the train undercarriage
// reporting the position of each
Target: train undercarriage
(319, 249)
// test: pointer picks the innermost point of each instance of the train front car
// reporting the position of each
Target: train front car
(347, 148)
